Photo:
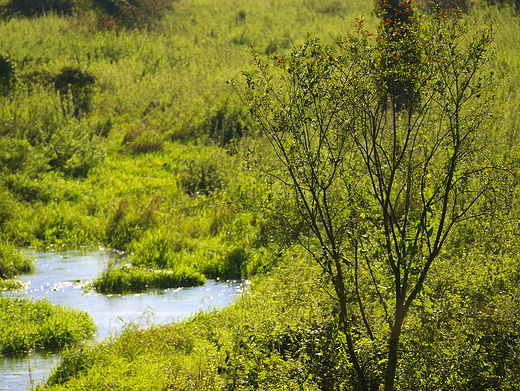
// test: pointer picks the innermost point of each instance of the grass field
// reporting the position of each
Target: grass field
(130, 138)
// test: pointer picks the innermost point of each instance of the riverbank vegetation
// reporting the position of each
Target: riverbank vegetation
(12, 264)
(29, 325)
(282, 336)
(117, 129)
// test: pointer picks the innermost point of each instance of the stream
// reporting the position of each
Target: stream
(60, 276)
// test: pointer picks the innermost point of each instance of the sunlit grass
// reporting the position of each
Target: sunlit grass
(29, 325)
(128, 278)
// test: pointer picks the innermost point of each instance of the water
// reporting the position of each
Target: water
(60, 276)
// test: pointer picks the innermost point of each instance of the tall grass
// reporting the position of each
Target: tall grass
(13, 263)
(86, 180)
(197, 354)
(29, 325)
(134, 279)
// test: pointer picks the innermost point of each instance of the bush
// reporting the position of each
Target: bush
(131, 14)
(514, 4)
(7, 74)
(75, 86)
(19, 155)
(228, 124)
(232, 266)
(128, 221)
(137, 141)
(203, 176)
(462, 5)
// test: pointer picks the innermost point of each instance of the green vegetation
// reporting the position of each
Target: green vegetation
(29, 325)
(128, 278)
(13, 263)
(282, 336)
(283, 343)
(117, 129)
(383, 147)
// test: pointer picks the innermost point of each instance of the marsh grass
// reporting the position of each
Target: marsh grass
(280, 336)
(13, 263)
(127, 360)
(28, 324)
(128, 278)
(11, 284)
(144, 152)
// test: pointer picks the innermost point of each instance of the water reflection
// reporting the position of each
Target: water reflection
(61, 277)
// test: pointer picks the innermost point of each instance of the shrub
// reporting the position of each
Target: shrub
(128, 221)
(18, 155)
(203, 176)
(514, 4)
(75, 86)
(462, 5)
(137, 141)
(229, 123)
(131, 14)
(7, 74)
(37, 78)
(233, 265)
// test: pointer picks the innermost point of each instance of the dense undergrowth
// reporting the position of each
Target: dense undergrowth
(281, 336)
(121, 132)
(130, 138)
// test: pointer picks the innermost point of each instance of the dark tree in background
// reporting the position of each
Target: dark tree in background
(7, 74)
(75, 87)
(398, 30)
(39, 7)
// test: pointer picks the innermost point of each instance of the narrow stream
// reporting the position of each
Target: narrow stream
(60, 276)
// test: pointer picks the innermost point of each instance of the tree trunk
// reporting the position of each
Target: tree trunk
(393, 349)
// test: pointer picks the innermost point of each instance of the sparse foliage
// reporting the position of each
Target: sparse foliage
(382, 147)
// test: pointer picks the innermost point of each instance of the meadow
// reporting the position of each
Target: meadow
(121, 131)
